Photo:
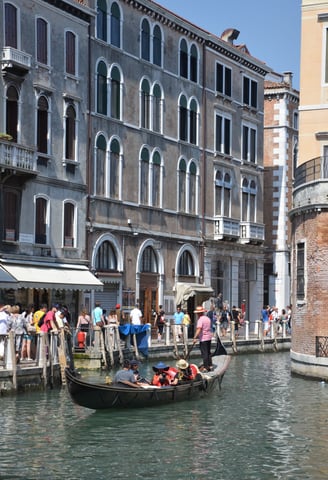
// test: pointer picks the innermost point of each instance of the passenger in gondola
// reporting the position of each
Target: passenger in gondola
(162, 377)
(126, 376)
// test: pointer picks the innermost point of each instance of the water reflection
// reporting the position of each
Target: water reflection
(264, 425)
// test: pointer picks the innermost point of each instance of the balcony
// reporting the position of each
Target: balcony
(15, 61)
(251, 232)
(226, 228)
(17, 159)
(312, 170)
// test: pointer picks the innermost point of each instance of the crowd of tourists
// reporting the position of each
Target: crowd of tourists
(271, 317)
(27, 322)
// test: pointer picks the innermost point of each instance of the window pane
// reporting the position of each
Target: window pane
(102, 20)
(70, 133)
(12, 113)
(114, 171)
(227, 89)
(193, 64)
(156, 184)
(252, 145)
(42, 43)
(115, 95)
(219, 78)
(300, 287)
(106, 259)
(157, 46)
(102, 88)
(101, 166)
(68, 225)
(145, 40)
(254, 94)
(42, 125)
(218, 200)
(218, 133)
(70, 53)
(227, 136)
(246, 90)
(115, 26)
(183, 59)
(10, 26)
(40, 221)
(245, 143)
(10, 216)
(144, 182)
(182, 188)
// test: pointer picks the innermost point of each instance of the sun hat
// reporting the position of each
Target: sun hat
(182, 364)
(199, 310)
(160, 366)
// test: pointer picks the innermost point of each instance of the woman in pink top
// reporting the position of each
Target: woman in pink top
(204, 333)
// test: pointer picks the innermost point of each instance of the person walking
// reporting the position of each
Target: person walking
(178, 317)
(204, 334)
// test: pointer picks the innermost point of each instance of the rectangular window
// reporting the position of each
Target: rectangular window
(250, 92)
(70, 53)
(300, 288)
(10, 26)
(222, 134)
(249, 147)
(223, 79)
(41, 221)
(10, 216)
(42, 41)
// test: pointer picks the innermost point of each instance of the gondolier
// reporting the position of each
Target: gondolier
(204, 333)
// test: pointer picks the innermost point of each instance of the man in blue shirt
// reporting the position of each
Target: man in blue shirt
(178, 317)
(97, 314)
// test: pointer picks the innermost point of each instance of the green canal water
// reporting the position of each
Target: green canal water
(264, 424)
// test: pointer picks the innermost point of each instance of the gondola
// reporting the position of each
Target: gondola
(99, 396)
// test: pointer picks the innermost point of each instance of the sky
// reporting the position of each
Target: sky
(270, 29)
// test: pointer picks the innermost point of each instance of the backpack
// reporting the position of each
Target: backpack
(41, 320)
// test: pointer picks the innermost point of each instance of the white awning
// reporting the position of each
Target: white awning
(62, 277)
(183, 291)
(6, 280)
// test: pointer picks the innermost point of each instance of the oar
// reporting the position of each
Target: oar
(220, 349)
(189, 351)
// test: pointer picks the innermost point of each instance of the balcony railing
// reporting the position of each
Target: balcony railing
(314, 169)
(226, 228)
(15, 59)
(13, 156)
(251, 232)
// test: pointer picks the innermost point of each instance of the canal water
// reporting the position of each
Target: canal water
(264, 424)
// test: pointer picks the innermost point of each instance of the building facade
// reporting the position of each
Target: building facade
(309, 215)
(43, 159)
(146, 134)
(281, 102)
(176, 192)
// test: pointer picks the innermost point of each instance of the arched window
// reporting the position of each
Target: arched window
(227, 195)
(12, 112)
(70, 132)
(183, 59)
(11, 34)
(115, 93)
(186, 264)
(106, 259)
(149, 261)
(193, 122)
(183, 119)
(69, 225)
(42, 125)
(182, 186)
(144, 176)
(192, 188)
(102, 20)
(100, 173)
(114, 164)
(156, 180)
(102, 88)
(193, 63)
(145, 40)
(42, 41)
(157, 46)
(252, 201)
(40, 235)
(157, 108)
(145, 104)
(115, 25)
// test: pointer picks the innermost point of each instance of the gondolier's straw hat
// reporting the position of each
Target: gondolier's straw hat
(199, 310)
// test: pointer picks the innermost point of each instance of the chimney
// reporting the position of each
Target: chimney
(288, 78)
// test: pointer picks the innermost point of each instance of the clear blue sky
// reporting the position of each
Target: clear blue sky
(269, 28)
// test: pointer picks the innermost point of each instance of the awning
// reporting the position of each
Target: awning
(6, 280)
(183, 291)
(62, 277)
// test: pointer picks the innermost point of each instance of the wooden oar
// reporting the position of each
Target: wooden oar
(186, 356)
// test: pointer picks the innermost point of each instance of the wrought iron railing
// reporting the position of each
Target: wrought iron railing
(321, 346)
